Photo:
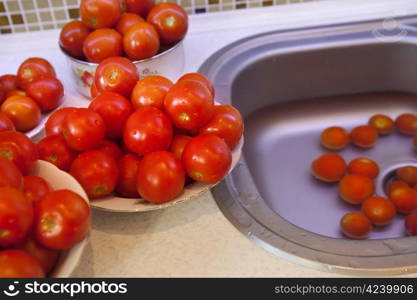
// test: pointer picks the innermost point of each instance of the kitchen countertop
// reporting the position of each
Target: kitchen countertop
(193, 239)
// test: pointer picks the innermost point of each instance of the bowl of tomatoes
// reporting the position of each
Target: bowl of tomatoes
(149, 35)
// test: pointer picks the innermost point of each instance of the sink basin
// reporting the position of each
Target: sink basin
(289, 86)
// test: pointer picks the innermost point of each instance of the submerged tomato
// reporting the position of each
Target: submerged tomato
(19, 264)
(47, 92)
(32, 69)
(72, 38)
(100, 13)
(128, 167)
(54, 149)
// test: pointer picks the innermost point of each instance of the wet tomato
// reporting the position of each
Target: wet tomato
(93, 90)
(101, 44)
(62, 219)
(356, 225)
(151, 91)
(47, 92)
(140, 7)
(10, 175)
(141, 41)
(380, 211)
(54, 123)
(329, 167)
(410, 224)
(404, 199)
(407, 124)
(334, 138)
(19, 264)
(5, 123)
(100, 13)
(382, 123)
(16, 216)
(148, 129)
(161, 177)
(72, 38)
(23, 111)
(178, 144)
(126, 21)
(364, 136)
(32, 69)
(35, 188)
(393, 185)
(2, 94)
(54, 149)
(199, 78)
(9, 82)
(111, 148)
(96, 171)
(355, 188)
(408, 174)
(114, 109)
(128, 167)
(364, 166)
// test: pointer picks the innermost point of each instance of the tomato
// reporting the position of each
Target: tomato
(16, 92)
(411, 224)
(114, 109)
(62, 219)
(404, 199)
(111, 148)
(83, 129)
(100, 13)
(364, 166)
(207, 158)
(364, 136)
(32, 69)
(116, 74)
(35, 188)
(356, 225)
(93, 90)
(407, 174)
(170, 20)
(10, 175)
(161, 177)
(126, 21)
(55, 150)
(407, 124)
(151, 91)
(329, 167)
(101, 44)
(72, 37)
(178, 144)
(355, 188)
(20, 149)
(334, 138)
(9, 82)
(5, 123)
(140, 7)
(189, 104)
(393, 184)
(47, 92)
(128, 167)
(16, 216)
(141, 41)
(2, 94)
(54, 123)
(382, 123)
(199, 78)
(148, 129)
(380, 211)
(23, 111)
(97, 173)
(19, 264)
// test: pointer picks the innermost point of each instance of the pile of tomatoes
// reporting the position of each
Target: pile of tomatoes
(357, 186)
(36, 222)
(24, 96)
(143, 138)
(106, 31)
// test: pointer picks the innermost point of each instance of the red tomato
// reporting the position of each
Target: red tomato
(114, 109)
(54, 123)
(356, 225)
(23, 111)
(128, 167)
(5, 123)
(97, 173)
(62, 219)
(2, 94)
(126, 21)
(55, 150)
(47, 92)
(32, 69)
(100, 13)
(93, 90)
(72, 37)
(10, 174)
(226, 123)
(20, 149)
(111, 148)
(207, 158)
(161, 177)
(170, 20)
(18, 264)
(16, 216)
(101, 44)
(16, 92)
(141, 41)
(189, 104)
(35, 188)
(9, 82)
(148, 129)
(151, 91)
(411, 224)
(140, 7)
(116, 74)
(199, 78)
(178, 144)
(83, 129)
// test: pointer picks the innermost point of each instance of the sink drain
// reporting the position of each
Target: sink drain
(387, 173)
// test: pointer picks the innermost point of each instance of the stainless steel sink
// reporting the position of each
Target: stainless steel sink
(290, 85)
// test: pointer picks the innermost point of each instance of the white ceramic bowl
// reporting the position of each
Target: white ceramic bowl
(58, 179)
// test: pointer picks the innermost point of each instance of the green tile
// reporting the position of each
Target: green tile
(42, 3)
(34, 28)
(2, 8)
(185, 3)
(74, 13)
(20, 29)
(48, 26)
(60, 15)
(71, 2)
(31, 18)
(12, 6)
(28, 4)
(4, 21)
(17, 19)
(57, 3)
(45, 16)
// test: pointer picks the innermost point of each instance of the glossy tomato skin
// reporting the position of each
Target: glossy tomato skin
(19, 264)
(141, 41)
(140, 7)
(54, 123)
(10, 175)
(170, 20)
(97, 173)
(5, 123)
(93, 90)
(16, 216)
(126, 21)
(35, 188)
(101, 44)
(54, 149)
(32, 69)
(178, 144)
(114, 109)
(47, 92)
(116, 74)
(100, 13)
(16, 93)
(83, 129)
(2, 94)
(207, 158)
(189, 104)
(20, 149)
(148, 129)
(9, 82)
(199, 78)
(72, 37)
(161, 177)
(151, 91)
(111, 148)
(23, 111)
(226, 123)
(411, 224)
(62, 219)
(128, 167)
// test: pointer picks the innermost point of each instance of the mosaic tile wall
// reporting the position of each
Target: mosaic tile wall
(33, 15)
